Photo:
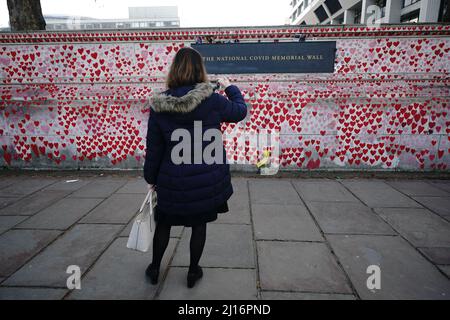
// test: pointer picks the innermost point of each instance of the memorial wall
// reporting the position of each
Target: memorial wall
(72, 100)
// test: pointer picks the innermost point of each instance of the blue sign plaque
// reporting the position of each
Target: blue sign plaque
(265, 57)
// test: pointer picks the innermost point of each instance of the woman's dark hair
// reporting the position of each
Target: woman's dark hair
(187, 69)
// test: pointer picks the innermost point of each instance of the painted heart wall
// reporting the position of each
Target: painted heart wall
(78, 100)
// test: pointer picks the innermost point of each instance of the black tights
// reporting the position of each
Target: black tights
(161, 240)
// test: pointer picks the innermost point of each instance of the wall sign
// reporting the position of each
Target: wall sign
(274, 57)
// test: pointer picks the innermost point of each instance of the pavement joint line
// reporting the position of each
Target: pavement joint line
(414, 248)
(398, 233)
(107, 245)
(308, 292)
(327, 244)
(424, 206)
(232, 223)
(254, 244)
(287, 240)
(57, 237)
(92, 264)
(362, 234)
(164, 275)
(37, 229)
(209, 267)
(436, 186)
(354, 194)
(6, 185)
(108, 223)
(388, 182)
(33, 287)
(404, 238)
(29, 195)
(52, 203)
(51, 242)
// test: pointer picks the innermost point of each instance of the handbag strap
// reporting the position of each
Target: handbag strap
(147, 197)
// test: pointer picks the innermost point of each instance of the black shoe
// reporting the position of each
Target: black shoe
(192, 277)
(152, 273)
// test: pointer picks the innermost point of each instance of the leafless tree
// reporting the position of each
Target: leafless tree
(25, 15)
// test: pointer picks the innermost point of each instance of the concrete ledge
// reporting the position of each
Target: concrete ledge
(376, 174)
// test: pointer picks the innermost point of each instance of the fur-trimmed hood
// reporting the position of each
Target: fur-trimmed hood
(184, 104)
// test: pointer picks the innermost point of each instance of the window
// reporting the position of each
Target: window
(321, 14)
(444, 12)
(407, 3)
(357, 16)
(382, 5)
(410, 17)
(333, 5)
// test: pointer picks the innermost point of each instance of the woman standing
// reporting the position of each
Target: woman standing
(191, 192)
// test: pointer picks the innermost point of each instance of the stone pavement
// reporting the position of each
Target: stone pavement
(298, 238)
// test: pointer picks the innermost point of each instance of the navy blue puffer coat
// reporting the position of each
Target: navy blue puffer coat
(193, 187)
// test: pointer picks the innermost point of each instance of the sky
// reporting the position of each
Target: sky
(192, 13)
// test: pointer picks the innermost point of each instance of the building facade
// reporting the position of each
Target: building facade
(138, 18)
(361, 11)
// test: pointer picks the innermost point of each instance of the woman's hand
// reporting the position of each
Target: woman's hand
(224, 82)
(151, 187)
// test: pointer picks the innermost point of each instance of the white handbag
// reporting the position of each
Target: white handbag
(141, 235)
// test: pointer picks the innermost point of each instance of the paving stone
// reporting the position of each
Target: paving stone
(273, 191)
(120, 274)
(136, 185)
(419, 226)
(238, 204)
(79, 246)
(405, 273)
(441, 184)
(69, 184)
(227, 245)
(446, 270)
(216, 284)
(6, 201)
(284, 222)
(18, 246)
(299, 266)
(7, 181)
(440, 205)
(99, 188)
(61, 215)
(7, 222)
(23, 293)
(437, 255)
(417, 188)
(118, 208)
(348, 217)
(31, 204)
(25, 186)
(322, 190)
(279, 295)
(375, 193)
(175, 231)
